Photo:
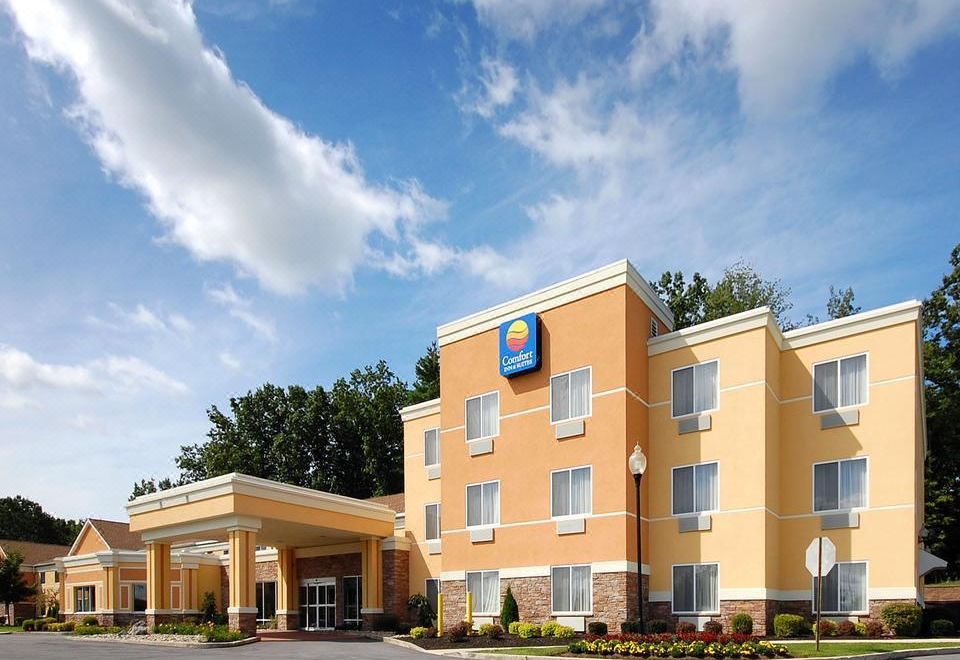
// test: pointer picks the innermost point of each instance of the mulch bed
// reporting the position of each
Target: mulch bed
(486, 643)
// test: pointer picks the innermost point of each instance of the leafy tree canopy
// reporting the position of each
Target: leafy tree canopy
(25, 520)
(427, 370)
(13, 587)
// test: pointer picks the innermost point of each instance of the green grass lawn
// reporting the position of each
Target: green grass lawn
(10, 629)
(799, 650)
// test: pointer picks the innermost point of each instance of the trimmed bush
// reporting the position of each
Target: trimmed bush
(860, 629)
(686, 627)
(491, 630)
(713, 627)
(84, 629)
(788, 625)
(564, 632)
(528, 630)
(431, 632)
(942, 628)
(903, 619)
(512, 627)
(846, 629)
(548, 628)
(509, 613)
(419, 632)
(28, 625)
(659, 626)
(222, 634)
(598, 628)
(828, 628)
(742, 624)
(630, 627)
(90, 621)
(873, 628)
(459, 632)
(208, 607)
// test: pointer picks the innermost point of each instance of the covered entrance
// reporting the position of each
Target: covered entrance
(318, 604)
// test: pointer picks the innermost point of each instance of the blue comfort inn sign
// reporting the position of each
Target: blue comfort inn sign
(520, 346)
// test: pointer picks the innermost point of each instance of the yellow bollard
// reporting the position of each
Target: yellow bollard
(470, 609)
(439, 615)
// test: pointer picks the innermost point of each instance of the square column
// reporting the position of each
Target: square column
(372, 581)
(287, 590)
(189, 588)
(242, 611)
(158, 583)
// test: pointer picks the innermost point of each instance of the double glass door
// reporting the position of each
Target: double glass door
(318, 604)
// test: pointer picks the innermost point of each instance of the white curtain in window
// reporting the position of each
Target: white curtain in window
(683, 392)
(491, 414)
(431, 447)
(473, 418)
(560, 397)
(825, 496)
(705, 386)
(683, 490)
(475, 587)
(683, 589)
(706, 487)
(433, 521)
(852, 580)
(474, 504)
(707, 598)
(560, 500)
(579, 393)
(580, 589)
(853, 483)
(491, 503)
(580, 491)
(561, 588)
(853, 380)
(491, 592)
(825, 386)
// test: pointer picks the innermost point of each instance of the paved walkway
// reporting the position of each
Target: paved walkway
(27, 646)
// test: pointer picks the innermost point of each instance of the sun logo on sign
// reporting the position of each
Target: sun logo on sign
(517, 335)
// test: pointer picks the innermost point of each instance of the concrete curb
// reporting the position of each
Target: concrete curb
(181, 645)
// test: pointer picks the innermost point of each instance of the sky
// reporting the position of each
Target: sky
(197, 198)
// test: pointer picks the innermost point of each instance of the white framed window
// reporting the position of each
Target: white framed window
(352, 598)
(696, 389)
(485, 587)
(432, 521)
(139, 596)
(483, 416)
(483, 504)
(266, 601)
(844, 589)
(570, 395)
(85, 598)
(571, 492)
(696, 488)
(431, 447)
(840, 485)
(571, 589)
(696, 588)
(433, 588)
(840, 383)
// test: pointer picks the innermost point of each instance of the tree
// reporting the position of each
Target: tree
(508, 611)
(25, 520)
(941, 351)
(147, 486)
(13, 587)
(840, 303)
(427, 370)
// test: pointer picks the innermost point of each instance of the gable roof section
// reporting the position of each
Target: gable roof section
(114, 535)
(395, 501)
(33, 553)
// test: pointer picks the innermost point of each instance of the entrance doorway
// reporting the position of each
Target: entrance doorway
(318, 604)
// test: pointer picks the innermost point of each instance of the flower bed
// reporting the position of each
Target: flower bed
(684, 645)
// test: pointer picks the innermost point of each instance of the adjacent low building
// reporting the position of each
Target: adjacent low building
(38, 569)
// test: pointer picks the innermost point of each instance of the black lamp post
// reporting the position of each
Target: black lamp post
(638, 465)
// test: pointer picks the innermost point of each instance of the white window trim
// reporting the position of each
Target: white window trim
(359, 601)
(437, 430)
(589, 413)
(694, 513)
(128, 584)
(866, 584)
(480, 396)
(439, 521)
(588, 612)
(466, 504)
(700, 412)
(813, 486)
(466, 581)
(813, 384)
(673, 609)
(96, 589)
(571, 515)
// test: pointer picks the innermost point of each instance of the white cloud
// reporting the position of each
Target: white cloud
(524, 19)
(229, 179)
(240, 308)
(428, 258)
(229, 360)
(498, 85)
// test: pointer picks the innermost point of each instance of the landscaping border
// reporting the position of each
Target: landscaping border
(183, 645)
(886, 655)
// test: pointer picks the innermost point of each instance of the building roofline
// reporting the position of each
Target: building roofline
(418, 410)
(576, 288)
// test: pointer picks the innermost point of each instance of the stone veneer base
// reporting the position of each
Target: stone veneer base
(243, 621)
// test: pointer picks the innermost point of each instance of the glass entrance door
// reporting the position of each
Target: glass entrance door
(318, 604)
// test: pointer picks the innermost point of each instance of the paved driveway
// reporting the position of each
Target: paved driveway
(27, 646)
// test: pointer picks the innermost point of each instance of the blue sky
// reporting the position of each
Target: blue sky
(195, 199)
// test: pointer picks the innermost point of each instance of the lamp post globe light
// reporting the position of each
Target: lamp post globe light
(638, 465)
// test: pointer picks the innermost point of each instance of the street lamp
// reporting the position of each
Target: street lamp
(638, 465)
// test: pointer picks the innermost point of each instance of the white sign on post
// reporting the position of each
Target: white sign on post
(826, 562)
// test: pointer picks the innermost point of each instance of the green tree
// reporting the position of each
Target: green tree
(427, 370)
(686, 301)
(840, 303)
(25, 520)
(147, 486)
(941, 350)
(13, 587)
(509, 611)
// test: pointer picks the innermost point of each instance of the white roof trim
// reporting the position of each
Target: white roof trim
(418, 410)
(86, 524)
(724, 327)
(602, 279)
(852, 325)
(243, 484)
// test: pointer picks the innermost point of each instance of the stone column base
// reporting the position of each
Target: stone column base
(288, 620)
(242, 619)
(155, 617)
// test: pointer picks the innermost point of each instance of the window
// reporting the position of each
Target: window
(840, 383)
(433, 590)
(485, 587)
(483, 504)
(571, 589)
(43, 577)
(571, 492)
(431, 447)
(840, 485)
(654, 327)
(483, 416)
(352, 598)
(695, 389)
(695, 488)
(432, 526)
(695, 588)
(844, 588)
(266, 600)
(85, 599)
(570, 395)
(140, 597)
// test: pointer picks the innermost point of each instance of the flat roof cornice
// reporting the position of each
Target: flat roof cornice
(418, 410)
(602, 279)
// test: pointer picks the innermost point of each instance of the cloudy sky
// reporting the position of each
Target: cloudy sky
(197, 198)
